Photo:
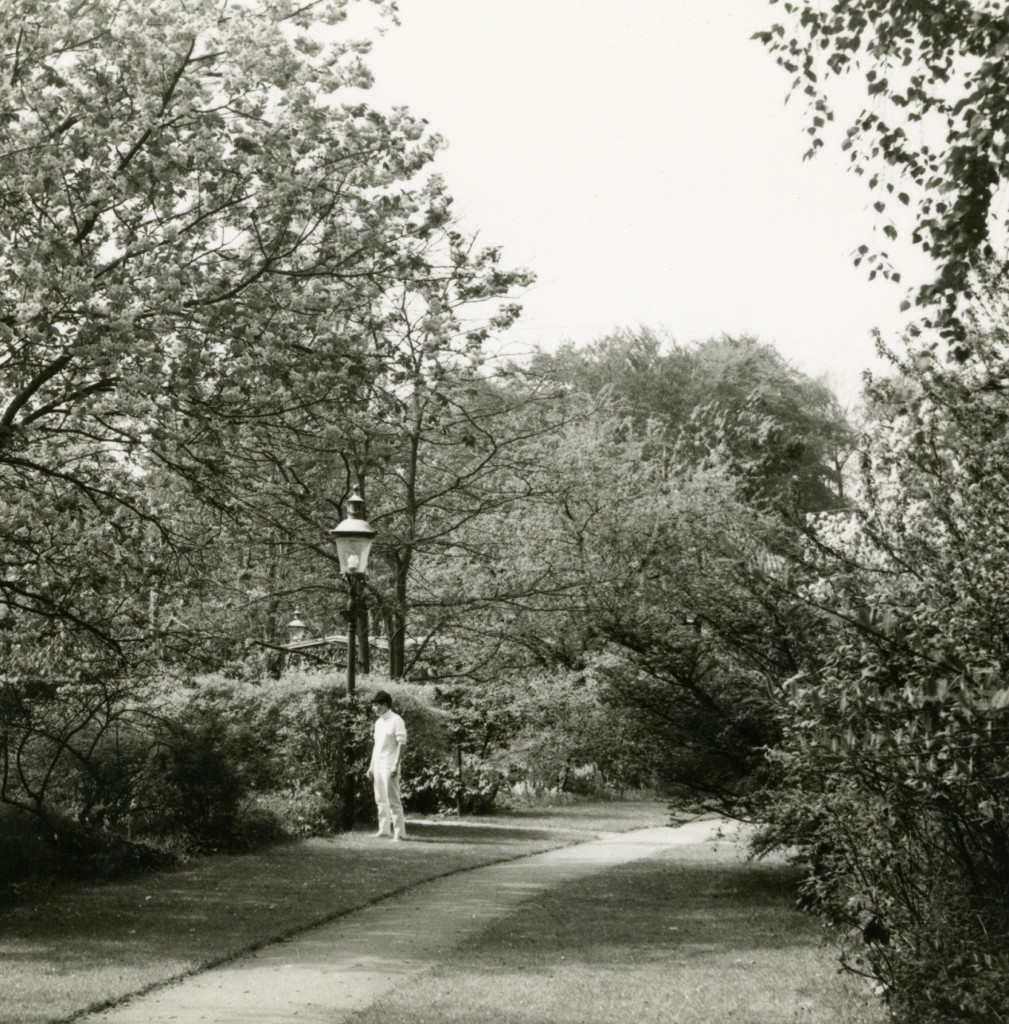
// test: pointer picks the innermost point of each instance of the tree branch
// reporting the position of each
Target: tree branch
(19, 401)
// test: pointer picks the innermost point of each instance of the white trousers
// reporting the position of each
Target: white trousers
(389, 802)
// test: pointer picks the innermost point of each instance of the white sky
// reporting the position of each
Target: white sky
(639, 157)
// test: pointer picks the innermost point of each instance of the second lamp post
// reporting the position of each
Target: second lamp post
(353, 544)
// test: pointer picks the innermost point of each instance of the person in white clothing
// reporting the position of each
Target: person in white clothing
(386, 761)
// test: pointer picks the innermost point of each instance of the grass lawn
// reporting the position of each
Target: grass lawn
(693, 937)
(80, 946)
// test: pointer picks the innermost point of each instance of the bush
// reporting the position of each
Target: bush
(568, 739)
(302, 748)
(41, 849)
(25, 856)
(302, 812)
(197, 783)
(437, 787)
(915, 905)
(220, 763)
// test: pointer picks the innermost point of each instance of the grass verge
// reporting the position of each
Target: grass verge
(79, 947)
(691, 937)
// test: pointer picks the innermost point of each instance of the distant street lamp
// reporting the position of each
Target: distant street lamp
(296, 629)
(353, 544)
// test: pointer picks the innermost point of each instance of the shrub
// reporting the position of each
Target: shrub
(303, 748)
(890, 773)
(438, 787)
(102, 791)
(197, 783)
(301, 812)
(218, 763)
(917, 901)
(568, 738)
(25, 856)
(40, 849)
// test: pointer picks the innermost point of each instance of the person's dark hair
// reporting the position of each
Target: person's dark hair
(381, 697)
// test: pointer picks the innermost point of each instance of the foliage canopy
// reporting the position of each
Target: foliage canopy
(930, 139)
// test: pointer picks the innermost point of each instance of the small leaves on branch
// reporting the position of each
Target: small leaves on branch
(935, 81)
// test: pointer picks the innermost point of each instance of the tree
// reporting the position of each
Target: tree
(729, 401)
(423, 437)
(893, 757)
(646, 581)
(692, 636)
(419, 434)
(647, 374)
(782, 435)
(197, 237)
(203, 252)
(638, 552)
(436, 429)
(930, 139)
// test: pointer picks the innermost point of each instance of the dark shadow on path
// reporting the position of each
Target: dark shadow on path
(456, 832)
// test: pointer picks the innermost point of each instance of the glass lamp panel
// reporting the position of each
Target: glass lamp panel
(353, 552)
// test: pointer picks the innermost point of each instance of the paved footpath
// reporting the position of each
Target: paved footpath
(325, 974)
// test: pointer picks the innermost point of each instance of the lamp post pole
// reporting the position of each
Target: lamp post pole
(355, 583)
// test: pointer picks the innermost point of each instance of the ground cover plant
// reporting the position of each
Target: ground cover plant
(694, 936)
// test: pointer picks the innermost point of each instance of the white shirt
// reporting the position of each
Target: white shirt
(390, 738)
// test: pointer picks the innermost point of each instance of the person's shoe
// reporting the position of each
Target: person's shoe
(397, 838)
(380, 835)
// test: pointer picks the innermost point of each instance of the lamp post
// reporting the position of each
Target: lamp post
(353, 544)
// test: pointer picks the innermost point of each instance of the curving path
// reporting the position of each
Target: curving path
(327, 973)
